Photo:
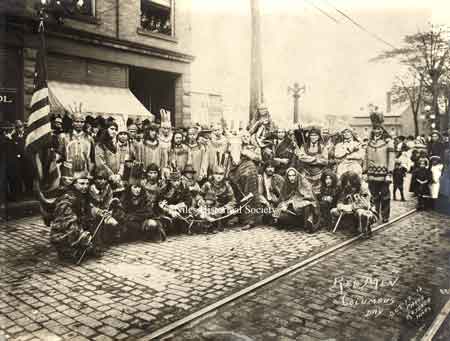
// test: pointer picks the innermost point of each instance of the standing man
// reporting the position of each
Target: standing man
(179, 152)
(165, 133)
(25, 166)
(245, 178)
(283, 151)
(132, 132)
(57, 125)
(198, 155)
(270, 185)
(150, 151)
(261, 126)
(379, 164)
(125, 149)
(77, 146)
(10, 163)
(217, 147)
(349, 154)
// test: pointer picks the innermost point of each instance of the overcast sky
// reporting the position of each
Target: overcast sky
(302, 44)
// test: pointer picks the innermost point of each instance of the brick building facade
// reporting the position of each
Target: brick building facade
(112, 44)
(398, 120)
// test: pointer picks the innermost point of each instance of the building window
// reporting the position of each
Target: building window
(156, 16)
(77, 8)
(87, 7)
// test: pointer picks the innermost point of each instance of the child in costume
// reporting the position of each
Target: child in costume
(398, 176)
(355, 202)
(421, 179)
(327, 197)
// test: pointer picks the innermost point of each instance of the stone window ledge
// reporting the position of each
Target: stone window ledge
(85, 19)
(157, 35)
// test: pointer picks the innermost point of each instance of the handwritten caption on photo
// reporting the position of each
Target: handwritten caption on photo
(353, 292)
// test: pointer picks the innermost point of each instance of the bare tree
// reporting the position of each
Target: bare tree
(427, 53)
(409, 88)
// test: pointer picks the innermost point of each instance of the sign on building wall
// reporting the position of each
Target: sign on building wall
(8, 101)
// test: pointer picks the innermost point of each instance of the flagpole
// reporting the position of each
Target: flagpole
(39, 127)
(256, 77)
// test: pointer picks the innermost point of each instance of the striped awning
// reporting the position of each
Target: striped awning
(96, 100)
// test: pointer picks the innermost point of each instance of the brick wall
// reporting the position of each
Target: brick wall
(72, 69)
(85, 71)
(103, 74)
(106, 19)
(126, 28)
(129, 19)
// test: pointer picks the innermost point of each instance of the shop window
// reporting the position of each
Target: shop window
(156, 16)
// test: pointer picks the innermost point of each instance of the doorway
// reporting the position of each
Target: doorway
(154, 89)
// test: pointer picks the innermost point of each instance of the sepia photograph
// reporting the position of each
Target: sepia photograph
(225, 170)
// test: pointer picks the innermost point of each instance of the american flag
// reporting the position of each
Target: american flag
(38, 142)
(39, 128)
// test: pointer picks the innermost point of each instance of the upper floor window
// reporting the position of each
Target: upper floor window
(87, 7)
(156, 16)
(76, 8)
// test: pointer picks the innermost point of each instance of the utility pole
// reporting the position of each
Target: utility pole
(256, 77)
(297, 92)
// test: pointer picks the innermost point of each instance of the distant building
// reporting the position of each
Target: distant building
(398, 120)
(206, 108)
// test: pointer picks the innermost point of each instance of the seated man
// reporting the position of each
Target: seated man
(208, 215)
(327, 197)
(269, 189)
(354, 201)
(174, 202)
(72, 229)
(153, 184)
(298, 203)
(138, 213)
(222, 189)
(101, 197)
(190, 182)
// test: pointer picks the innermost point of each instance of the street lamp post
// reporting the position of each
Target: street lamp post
(430, 117)
(297, 92)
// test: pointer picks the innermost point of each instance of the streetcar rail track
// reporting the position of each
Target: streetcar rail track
(199, 314)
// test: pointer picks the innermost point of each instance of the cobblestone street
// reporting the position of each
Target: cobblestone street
(136, 288)
(360, 293)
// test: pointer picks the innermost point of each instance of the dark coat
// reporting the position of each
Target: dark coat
(421, 179)
(72, 218)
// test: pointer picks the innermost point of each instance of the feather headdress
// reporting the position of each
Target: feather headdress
(377, 119)
(165, 118)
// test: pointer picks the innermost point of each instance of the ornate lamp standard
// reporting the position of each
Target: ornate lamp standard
(297, 92)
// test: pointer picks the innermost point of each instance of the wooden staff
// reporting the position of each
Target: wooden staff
(92, 239)
(338, 221)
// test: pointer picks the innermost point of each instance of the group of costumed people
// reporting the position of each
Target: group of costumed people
(151, 181)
